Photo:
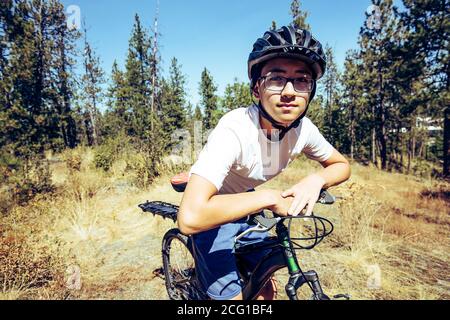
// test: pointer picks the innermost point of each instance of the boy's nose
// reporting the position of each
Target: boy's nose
(288, 89)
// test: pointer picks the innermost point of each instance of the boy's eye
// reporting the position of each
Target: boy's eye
(276, 78)
(301, 80)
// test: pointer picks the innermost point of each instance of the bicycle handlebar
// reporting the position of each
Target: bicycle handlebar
(264, 224)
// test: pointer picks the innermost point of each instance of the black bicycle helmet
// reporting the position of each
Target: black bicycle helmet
(286, 42)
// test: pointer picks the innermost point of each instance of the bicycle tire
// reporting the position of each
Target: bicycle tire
(179, 267)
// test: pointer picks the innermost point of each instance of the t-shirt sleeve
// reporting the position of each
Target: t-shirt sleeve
(316, 146)
(217, 156)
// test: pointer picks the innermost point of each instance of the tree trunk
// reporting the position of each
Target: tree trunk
(93, 114)
(373, 138)
(382, 121)
(446, 151)
(352, 132)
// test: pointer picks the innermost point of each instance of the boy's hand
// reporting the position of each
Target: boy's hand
(305, 193)
(281, 205)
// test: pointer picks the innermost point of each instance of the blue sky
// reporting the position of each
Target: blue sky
(216, 34)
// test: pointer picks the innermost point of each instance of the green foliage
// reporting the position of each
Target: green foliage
(209, 101)
(91, 92)
(299, 16)
(144, 165)
(138, 80)
(173, 101)
(35, 81)
(22, 180)
(236, 95)
(107, 153)
(273, 26)
(331, 84)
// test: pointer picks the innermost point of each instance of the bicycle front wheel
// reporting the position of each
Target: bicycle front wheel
(179, 267)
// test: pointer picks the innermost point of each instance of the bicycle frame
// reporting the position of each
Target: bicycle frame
(281, 256)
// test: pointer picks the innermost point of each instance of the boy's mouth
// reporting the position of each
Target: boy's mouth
(287, 106)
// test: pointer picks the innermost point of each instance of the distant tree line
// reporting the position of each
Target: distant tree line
(396, 85)
(54, 95)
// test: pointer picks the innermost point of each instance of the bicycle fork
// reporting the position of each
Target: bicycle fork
(297, 277)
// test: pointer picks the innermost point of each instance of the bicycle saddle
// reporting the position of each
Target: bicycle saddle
(179, 182)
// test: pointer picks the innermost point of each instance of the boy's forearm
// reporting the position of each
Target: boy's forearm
(335, 174)
(222, 209)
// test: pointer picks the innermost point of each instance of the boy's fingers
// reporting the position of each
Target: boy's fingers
(299, 207)
(294, 205)
(310, 208)
(287, 193)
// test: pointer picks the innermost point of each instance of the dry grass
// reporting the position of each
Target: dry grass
(393, 225)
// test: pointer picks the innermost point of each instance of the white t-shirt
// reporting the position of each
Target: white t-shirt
(238, 156)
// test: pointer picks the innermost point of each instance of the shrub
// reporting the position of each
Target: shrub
(144, 164)
(23, 179)
(73, 159)
(108, 152)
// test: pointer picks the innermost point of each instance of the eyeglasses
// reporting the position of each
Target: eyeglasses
(278, 83)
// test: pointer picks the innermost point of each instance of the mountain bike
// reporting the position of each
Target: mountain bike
(178, 253)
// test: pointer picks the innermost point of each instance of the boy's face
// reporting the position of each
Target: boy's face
(287, 105)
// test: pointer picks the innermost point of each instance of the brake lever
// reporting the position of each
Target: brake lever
(257, 228)
(263, 224)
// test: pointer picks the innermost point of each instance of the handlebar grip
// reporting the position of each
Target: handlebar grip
(326, 198)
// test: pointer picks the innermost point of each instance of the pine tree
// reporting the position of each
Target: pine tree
(316, 112)
(209, 100)
(138, 76)
(174, 112)
(63, 84)
(426, 41)
(299, 16)
(37, 61)
(354, 103)
(91, 88)
(236, 95)
(273, 25)
(174, 109)
(331, 87)
(198, 116)
(377, 47)
(118, 113)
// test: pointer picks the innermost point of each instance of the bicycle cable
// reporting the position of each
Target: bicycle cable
(317, 240)
(317, 237)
